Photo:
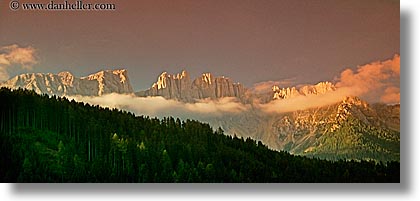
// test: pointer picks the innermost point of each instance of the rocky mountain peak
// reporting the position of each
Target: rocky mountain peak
(161, 82)
(184, 74)
(111, 81)
(291, 92)
(284, 93)
(164, 79)
(96, 76)
(351, 106)
(122, 73)
(207, 78)
(354, 100)
(64, 74)
(180, 87)
(320, 88)
(66, 78)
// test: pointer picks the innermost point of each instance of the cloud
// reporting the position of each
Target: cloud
(373, 81)
(391, 95)
(161, 107)
(3, 74)
(217, 107)
(4, 60)
(4, 63)
(23, 57)
(304, 102)
(204, 109)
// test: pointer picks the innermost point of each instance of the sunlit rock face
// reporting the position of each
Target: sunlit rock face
(111, 81)
(291, 92)
(181, 87)
(170, 86)
(65, 83)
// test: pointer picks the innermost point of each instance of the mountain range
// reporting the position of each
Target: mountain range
(65, 84)
(348, 129)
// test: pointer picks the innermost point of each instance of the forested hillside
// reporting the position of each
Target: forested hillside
(52, 139)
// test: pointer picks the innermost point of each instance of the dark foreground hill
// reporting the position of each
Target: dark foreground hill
(47, 139)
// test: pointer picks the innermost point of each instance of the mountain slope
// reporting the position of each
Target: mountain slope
(350, 129)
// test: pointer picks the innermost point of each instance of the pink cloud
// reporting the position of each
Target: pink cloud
(24, 57)
(371, 81)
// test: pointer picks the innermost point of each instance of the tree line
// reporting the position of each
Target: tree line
(52, 139)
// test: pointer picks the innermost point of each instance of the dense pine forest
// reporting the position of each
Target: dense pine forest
(52, 139)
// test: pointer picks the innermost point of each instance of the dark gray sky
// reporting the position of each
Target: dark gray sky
(248, 40)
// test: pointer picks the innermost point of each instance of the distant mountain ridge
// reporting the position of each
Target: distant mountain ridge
(291, 92)
(178, 86)
(66, 84)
